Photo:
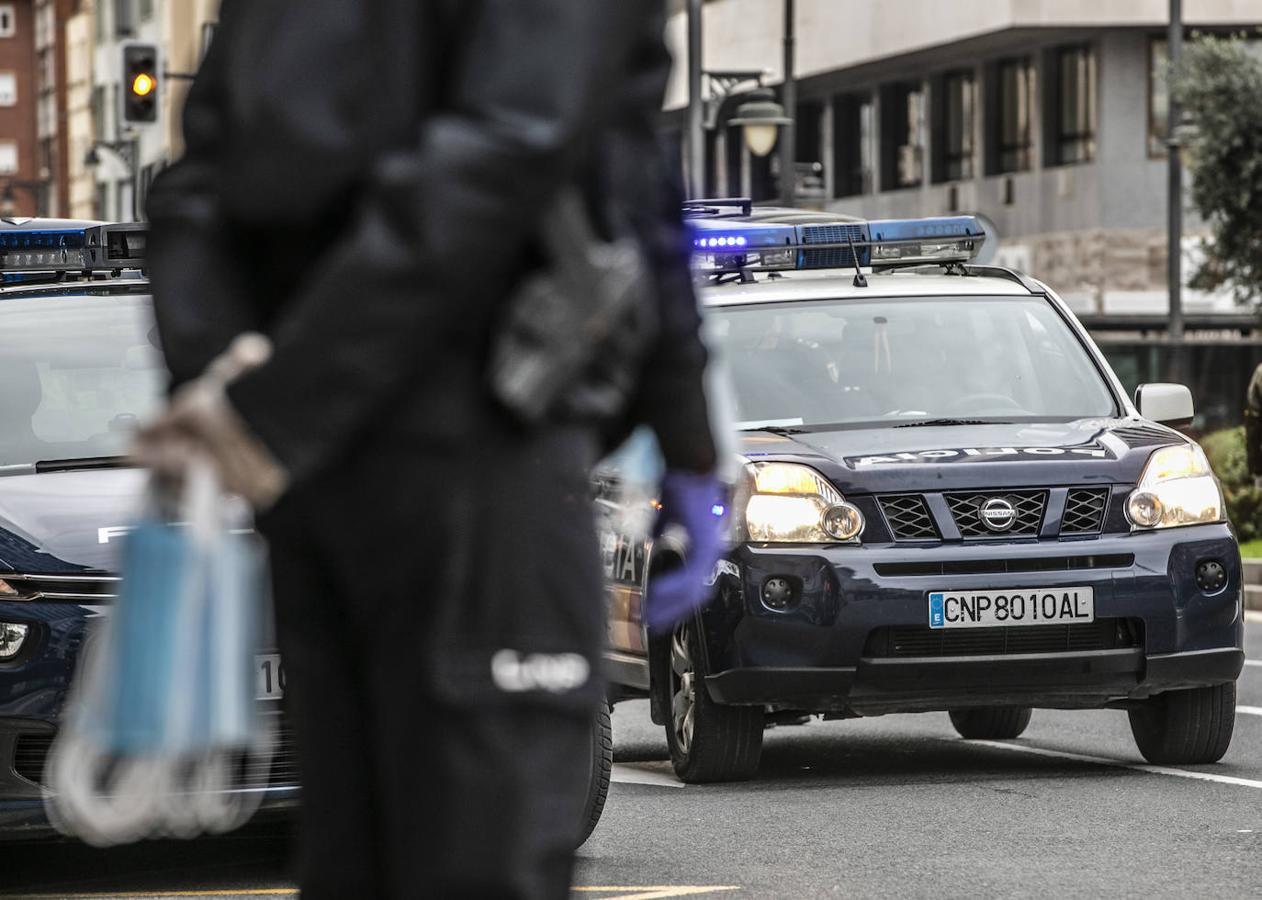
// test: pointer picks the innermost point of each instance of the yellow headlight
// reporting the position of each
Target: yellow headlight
(791, 503)
(1177, 488)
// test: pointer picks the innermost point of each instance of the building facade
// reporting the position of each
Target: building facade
(1047, 117)
(182, 28)
(22, 187)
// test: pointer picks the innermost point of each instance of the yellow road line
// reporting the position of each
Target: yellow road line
(654, 892)
(129, 895)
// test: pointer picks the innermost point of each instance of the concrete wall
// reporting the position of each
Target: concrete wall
(834, 34)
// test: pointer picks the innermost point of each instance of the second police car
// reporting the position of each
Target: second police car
(79, 368)
(947, 502)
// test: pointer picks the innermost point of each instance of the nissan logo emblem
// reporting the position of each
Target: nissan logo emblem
(997, 514)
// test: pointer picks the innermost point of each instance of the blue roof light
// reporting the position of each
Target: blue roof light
(726, 244)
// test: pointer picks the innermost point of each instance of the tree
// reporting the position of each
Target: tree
(1218, 83)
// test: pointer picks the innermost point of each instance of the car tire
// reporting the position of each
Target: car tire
(708, 742)
(1189, 727)
(998, 723)
(601, 771)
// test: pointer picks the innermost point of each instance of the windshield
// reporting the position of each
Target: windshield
(76, 375)
(900, 361)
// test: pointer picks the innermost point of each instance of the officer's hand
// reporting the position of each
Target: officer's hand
(694, 520)
(201, 419)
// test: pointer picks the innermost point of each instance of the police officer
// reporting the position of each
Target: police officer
(359, 194)
(1253, 426)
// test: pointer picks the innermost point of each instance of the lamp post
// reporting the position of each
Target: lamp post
(1174, 201)
(8, 202)
(129, 152)
(789, 96)
(763, 120)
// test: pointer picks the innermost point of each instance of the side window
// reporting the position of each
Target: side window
(8, 20)
(8, 157)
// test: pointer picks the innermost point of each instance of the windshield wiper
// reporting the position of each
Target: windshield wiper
(775, 429)
(930, 422)
(86, 462)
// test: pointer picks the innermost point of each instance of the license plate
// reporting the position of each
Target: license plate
(269, 677)
(990, 609)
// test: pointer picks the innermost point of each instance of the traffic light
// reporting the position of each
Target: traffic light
(142, 82)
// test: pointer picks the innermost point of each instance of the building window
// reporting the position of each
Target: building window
(1073, 106)
(8, 157)
(8, 20)
(145, 8)
(854, 144)
(902, 136)
(955, 121)
(809, 147)
(8, 89)
(1012, 117)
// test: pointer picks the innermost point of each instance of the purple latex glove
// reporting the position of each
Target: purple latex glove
(692, 523)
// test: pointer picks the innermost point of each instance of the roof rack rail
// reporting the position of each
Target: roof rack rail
(1011, 274)
(714, 207)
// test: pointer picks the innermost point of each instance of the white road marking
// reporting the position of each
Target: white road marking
(1253, 662)
(1253, 615)
(1121, 764)
(628, 774)
(1250, 710)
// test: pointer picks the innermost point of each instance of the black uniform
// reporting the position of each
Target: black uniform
(1253, 424)
(362, 182)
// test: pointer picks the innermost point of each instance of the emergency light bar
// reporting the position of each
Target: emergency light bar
(80, 248)
(723, 245)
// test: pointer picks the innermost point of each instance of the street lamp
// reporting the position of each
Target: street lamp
(129, 152)
(760, 118)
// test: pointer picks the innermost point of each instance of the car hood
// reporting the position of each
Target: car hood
(934, 458)
(67, 522)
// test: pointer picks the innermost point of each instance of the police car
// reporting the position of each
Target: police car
(947, 502)
(80, 367)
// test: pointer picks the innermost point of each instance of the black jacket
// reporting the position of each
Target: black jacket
(362, 182)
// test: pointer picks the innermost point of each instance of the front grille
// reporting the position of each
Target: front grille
(965, 508)
(923, 641)
(1005, 566)
(832, 257)
(1084, 511)
(1135, 436)
(64, 587)
(908, 518)
(30, 753)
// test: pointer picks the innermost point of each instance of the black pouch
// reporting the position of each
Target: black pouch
(575, 332)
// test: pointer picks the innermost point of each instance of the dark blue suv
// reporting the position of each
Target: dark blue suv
(945, 501)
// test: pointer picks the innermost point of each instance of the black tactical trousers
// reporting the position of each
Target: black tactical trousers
(439, 616)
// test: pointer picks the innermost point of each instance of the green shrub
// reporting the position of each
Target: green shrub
(1225, 450)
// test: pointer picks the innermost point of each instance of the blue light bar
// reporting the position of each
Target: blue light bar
(726, 244)
(83, 247)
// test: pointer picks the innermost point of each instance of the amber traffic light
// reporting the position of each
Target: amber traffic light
(141, 82)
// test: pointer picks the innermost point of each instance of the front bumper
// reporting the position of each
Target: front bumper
(818, 656)
(33, 691)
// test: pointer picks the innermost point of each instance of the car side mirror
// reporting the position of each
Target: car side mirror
(1166, 404)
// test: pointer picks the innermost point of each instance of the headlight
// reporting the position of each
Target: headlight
(790, 503)
(1177, 488)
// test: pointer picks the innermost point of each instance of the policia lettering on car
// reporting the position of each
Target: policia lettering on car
(974, 454)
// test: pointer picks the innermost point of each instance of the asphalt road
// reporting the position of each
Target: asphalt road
(895, 806)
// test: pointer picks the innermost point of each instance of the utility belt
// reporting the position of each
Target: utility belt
(575, 332)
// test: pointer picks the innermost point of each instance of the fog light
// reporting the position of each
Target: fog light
(777, 593)
(1144, 509)
(12, 636)
(1211, 576)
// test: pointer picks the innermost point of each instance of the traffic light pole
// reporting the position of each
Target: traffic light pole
(789, 99)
